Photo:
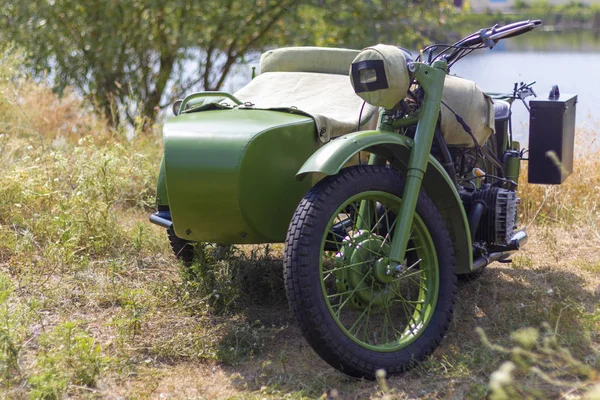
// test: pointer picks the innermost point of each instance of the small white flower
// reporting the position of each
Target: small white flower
(503, 376)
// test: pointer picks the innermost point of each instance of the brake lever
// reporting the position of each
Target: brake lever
(486, 35)
(523, 94)
(526, 90)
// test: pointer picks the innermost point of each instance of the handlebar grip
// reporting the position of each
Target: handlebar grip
(514, 25)
(503, 32)
(512, 30)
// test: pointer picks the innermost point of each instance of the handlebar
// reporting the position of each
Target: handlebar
(496, 33)
(491, 36)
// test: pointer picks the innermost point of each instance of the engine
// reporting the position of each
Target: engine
(499, 219)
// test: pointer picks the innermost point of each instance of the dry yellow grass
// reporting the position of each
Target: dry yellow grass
(93, 304)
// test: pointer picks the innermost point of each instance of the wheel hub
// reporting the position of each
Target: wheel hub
(363, 272)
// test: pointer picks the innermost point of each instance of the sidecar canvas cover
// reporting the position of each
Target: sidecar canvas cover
(228, 174)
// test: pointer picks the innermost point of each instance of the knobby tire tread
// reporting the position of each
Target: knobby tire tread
(183, 249)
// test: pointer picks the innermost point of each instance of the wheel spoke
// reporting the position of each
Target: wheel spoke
(336, 243)
(405, 276)
(357, 214)
(337, 269)
(366, 332)
(387, 222)
(409, 317)
(366, 311)
(374, 312)
(413, 249)
(387, 312)
(402, 298)
(419, 284)
(376, 225)
(404, 303)
(384, 329)
(352, 293)
(389, 232)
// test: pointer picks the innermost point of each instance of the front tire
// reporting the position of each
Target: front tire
(354, 312)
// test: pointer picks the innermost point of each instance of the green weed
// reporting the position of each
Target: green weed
(242, 340)
(226, 277)
(14, 320)
(68, 358)
(539, 366)
(521, 260)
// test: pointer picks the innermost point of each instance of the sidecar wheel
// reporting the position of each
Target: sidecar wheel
(355, 313)
(183, 249)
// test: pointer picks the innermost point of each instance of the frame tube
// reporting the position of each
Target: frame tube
(431, 79)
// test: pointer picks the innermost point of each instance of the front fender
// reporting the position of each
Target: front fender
(331, 158)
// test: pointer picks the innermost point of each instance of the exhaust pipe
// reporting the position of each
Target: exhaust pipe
(477, 210)
(519, 238)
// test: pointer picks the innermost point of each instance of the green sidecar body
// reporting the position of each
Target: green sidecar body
(229, 170)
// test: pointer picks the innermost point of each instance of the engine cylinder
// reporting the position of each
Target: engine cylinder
(499, 221)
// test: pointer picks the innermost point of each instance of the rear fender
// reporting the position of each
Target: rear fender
(331, 158)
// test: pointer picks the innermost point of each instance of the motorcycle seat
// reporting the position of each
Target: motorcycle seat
(501, 110)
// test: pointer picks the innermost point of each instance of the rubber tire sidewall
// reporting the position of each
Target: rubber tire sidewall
(303, 281)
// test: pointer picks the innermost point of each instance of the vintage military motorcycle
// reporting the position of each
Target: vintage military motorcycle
(383, 186)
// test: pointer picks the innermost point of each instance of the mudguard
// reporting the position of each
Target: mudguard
(329, 159)
(162, 197)
(229, 174)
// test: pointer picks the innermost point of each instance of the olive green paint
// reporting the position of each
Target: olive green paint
(512, 167)
(234, 182)
(396, 148)
(162, 198)
(350, 279)
(431, 80)
(194, 98)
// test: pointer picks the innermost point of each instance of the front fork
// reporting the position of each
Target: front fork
(431, 79)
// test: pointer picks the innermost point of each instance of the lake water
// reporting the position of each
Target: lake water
(578, 73)
(570, 60)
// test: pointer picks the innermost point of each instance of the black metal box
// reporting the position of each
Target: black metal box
(551, 139)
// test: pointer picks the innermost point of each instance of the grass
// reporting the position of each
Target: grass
(93, 304)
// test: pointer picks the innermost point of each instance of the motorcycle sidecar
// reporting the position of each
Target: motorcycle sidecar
(228, 172)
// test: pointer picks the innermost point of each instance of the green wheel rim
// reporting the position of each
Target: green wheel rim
(379, 309)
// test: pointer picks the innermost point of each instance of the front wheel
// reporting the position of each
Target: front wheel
(358, 313)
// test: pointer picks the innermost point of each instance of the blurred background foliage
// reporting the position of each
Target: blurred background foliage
(130, 59)
(133, 57)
